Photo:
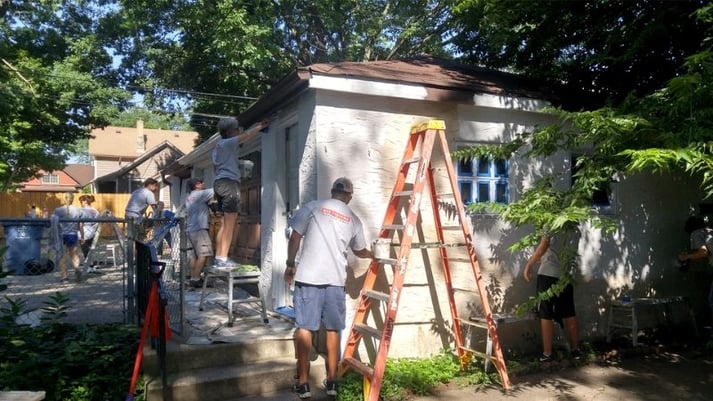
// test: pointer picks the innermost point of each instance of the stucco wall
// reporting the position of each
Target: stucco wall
(363, 138)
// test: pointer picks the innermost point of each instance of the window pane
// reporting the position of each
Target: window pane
(501, 192)
(465, 167)
(600, 197)
(501, 168)
(466, 192)
(483, 192)
(484, 167)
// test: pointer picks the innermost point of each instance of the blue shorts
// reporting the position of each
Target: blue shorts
(70, 239)
(315, 304)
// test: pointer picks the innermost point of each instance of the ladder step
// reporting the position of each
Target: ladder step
(412, 160)
(475, 323)
(459, 260)
(393, 227)
(368, 330)
(451, 227)
(403, 193)
(381, 296)
(424, 245)
(359, 366)
(479, 353)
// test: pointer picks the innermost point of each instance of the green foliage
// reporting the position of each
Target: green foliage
(68, 362)
(405, 377)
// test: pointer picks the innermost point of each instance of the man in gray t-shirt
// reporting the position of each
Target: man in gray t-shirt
(196, 206)
(325, 230)
(141, 199)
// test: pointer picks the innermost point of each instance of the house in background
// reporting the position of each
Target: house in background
(71, 179)
(353, 119)
(122, 158)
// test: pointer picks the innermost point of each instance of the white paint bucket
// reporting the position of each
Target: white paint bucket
(381, 248)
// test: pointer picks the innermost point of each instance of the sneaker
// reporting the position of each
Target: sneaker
(545, 358)
(330, 388)
(576, 355)
(222, 264)
(302, 391)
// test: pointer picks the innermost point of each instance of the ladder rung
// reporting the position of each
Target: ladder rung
(403, 193)
(465, 290)
(479, 353)
(393, 227)
(445, 194)
(359, 366)
(414, 159)
(381, 296)
(475, 323)
(423, 245)
(459, 260)
(387, 261)
(451, 227)
(368, 330)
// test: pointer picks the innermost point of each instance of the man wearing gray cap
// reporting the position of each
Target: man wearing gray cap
(325, 229)
(197, 209)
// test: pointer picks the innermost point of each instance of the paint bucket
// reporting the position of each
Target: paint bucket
(381, 248)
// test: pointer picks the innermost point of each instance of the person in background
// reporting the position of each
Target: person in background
(556, 254)
(164, 214)
(227, 182)
(324, 229)
(141, 199)
(71, 235)
(90, 229)
(197, 209)
(701, 238)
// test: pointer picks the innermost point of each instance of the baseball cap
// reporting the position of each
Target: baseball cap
(192, 182)
(343, 184)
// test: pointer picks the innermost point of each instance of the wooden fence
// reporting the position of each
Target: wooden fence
(18, 204)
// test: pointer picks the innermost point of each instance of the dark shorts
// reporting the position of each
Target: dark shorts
(558, 307)
(227, 194)
(315, 304)
(70, 239)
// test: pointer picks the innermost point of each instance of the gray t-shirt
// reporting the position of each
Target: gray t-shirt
(329, 228)
(138, 202)
(703, 238)
(197, 209)
(68, 212)
(551, 261)
(225, 159)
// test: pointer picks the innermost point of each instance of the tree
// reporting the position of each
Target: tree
(53, 88)
(224, 54)
(602, 49)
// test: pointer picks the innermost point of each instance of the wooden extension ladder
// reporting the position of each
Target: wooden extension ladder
(422, 139)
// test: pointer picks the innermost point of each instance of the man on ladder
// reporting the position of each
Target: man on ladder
(319, 282)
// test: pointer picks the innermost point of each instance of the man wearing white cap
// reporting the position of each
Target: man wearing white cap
(329, 228)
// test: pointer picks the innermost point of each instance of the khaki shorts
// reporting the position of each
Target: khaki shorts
(200, 241)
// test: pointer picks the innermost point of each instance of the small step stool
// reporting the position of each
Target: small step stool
(233, 275)
(498, 320)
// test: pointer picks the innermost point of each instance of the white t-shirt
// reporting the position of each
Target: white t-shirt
(90, 228)
(328, 229)
(551, 260)
(197, 209)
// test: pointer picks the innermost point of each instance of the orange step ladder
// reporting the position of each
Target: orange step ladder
(404, 205)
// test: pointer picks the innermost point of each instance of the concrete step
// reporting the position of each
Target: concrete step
(256, 380)
(183, 357)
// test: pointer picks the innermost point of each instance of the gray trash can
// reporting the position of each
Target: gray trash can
(23, 242)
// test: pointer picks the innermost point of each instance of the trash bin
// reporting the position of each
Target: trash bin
(23, 244)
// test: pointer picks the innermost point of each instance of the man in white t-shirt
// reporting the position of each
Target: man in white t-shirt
(325, 230)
